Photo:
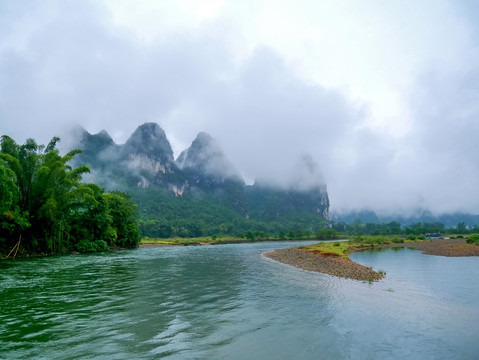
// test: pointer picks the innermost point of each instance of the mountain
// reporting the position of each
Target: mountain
(272, 203)
(450, 220)
(205, 157)
(145, 159)
(200, 192)
(149, 157)
(208, 171)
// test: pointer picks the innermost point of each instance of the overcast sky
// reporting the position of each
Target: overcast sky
(383, 95)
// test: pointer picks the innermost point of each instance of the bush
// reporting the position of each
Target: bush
(411, 237)
(100, 246)
(421, 237)
(326, 234)
(85, 246)
(473, 239)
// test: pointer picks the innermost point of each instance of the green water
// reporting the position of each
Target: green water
(229, 302)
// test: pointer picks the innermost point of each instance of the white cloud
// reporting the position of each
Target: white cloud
(383, 96)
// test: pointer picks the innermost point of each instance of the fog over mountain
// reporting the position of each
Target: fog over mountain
(200, 192)
(382, 96)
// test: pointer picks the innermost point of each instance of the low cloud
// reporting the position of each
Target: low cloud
(77, 67)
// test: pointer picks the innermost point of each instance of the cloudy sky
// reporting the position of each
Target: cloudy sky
(383, 95)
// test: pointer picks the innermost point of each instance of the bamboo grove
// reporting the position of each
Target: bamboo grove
(46, 208)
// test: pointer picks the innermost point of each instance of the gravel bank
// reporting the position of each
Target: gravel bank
(332, 265)
(346, 268)
(441, 247)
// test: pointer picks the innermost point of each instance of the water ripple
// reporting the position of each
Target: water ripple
(224, 302)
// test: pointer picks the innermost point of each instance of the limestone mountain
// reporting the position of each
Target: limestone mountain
(201, 192)
(205, 157)
(208, 170)
(145, 159)
(95, 146)
(149, 157)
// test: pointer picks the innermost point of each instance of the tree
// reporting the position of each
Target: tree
(12, 220)
(43, 200)
(461, 228)
(122, 212)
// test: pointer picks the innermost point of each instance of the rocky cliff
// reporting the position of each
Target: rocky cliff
(145, 165)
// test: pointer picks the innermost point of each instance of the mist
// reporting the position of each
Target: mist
(66, 63)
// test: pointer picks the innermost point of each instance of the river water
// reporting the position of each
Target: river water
(230, 302)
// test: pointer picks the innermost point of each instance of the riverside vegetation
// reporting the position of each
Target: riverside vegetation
(46, 209)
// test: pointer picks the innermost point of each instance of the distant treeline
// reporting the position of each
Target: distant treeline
(395, 228)
(45, 208)
(290, 228)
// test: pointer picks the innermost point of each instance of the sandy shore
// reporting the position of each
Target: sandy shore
(346, 268)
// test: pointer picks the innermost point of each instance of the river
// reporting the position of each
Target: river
(230, 302)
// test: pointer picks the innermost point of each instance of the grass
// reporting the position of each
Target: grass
(186, 241)
(338, 248)
(343, 248)
(199, 240)
(335, 248)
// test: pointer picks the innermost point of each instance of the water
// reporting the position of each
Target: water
(229, 302)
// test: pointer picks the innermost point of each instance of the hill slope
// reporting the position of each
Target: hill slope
(201, 193)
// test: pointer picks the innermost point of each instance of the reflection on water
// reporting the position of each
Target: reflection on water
(230, 302)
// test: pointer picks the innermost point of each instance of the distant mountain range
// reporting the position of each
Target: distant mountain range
(201, 192)
(450, 220)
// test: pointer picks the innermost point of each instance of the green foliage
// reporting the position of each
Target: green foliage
(326, 234)
(394, 228)
(162, 215)
(424, 227)
(122, 212)
(411, 237)
(358, 228)
(461, 228)
(372, 240)
(85, 246)
(44, 203)
(11, 217)
(473, 239)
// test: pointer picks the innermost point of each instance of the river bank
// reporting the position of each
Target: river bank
(441, 247)
(316, 258)
(209, 241)
(330, 264)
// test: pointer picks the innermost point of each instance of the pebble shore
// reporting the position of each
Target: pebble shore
(346, 268)
(333, 265)
(441, 247)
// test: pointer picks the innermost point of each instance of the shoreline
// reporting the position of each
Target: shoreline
(330, 264)
(440, 247)
(343, 267)
(220, 242)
